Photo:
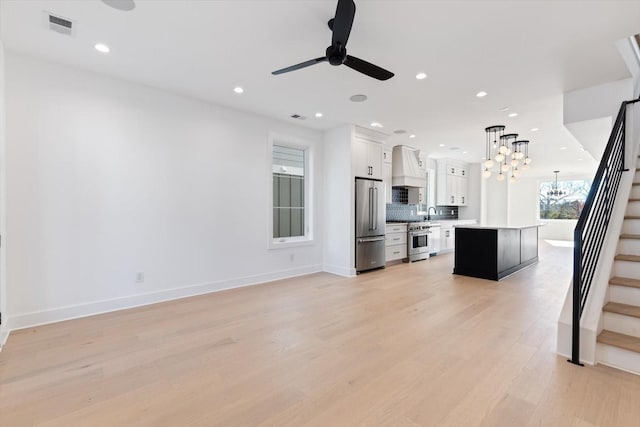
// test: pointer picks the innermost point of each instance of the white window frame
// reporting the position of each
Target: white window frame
(570, 178)
(308, 238)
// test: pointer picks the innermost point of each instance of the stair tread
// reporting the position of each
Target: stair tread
(633, 199)
(625, 281)
(632, 217)
(620, 340)
(629, 236)
(626, 257)
(624, 309)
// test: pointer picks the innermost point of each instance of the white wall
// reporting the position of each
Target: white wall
(523, 202)
(473, 208)
(495, 202)
(4, 332)
(107, 178)
(589, 113)
(338, 202)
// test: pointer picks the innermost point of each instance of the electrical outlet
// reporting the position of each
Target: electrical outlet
(140, 277)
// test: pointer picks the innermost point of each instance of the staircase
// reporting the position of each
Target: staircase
(618, 344)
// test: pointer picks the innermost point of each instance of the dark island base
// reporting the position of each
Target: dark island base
(494, 253)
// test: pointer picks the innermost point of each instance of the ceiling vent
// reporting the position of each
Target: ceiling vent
(59, 24)
(298, 117)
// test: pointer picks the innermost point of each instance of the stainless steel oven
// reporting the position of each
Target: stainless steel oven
(418, 241)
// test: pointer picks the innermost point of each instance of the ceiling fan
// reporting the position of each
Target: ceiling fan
(336, 54)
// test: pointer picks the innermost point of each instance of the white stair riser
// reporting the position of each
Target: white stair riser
(633, 208)
(622, 324)
(626, 269)
(631, 226)
(624, 295)
(618, 358)
(629, 246)
(635, 192)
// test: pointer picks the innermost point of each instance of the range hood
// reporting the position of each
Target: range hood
(405, 171)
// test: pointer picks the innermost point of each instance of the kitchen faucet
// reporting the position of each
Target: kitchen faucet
(435, 211)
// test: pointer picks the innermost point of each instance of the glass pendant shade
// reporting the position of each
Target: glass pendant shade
(500, 177)
(516, 173)
(488, 163)
(512, 179)
(499, 157)
(514, 163)
(503, 149)
(527, 161)
(504, 167)
(486, 173)
(525, 167)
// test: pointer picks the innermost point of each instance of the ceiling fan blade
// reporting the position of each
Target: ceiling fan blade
(345, 12)
(300, 65)
(367, 68)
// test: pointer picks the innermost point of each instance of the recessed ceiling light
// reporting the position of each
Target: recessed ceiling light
(124, 5)
(318, 115)
(503, 109)
(238, 89)
(421, 76)
(481, 94)
(102, 48)
(563, 148)
(512, 114)
(580, 159)
(465, 152)
(376, 125)
(441, 145)
(358, 98)
(412, 136)
(534, 129)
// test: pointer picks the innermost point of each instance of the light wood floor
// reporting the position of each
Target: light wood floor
(412, 345)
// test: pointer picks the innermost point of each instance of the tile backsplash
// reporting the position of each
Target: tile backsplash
(400, 210)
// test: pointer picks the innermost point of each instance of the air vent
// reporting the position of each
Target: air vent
(59, 24)
(298, 117)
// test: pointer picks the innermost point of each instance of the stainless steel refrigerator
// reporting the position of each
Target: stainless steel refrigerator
(370, 224)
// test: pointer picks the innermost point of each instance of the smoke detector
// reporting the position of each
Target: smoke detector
(59, 24)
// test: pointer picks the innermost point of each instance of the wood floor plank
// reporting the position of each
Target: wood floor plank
(410, 345)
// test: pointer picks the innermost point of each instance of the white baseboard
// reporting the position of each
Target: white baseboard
(340, 271)
(26, 320)
(4, 334)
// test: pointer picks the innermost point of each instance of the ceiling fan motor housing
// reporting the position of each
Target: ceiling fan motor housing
(335, 55)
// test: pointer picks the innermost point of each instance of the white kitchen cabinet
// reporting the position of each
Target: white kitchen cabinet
(387, 172)
(422, 162)
(448, 233)
(447, 239)
(367, 158)
(417, 196)
(452, 183)
(395, 242)
(435, 236)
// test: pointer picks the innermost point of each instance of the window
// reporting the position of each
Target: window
(569, 204)
(290, 194)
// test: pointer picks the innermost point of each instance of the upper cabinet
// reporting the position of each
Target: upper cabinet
(387, 172)
(367, 158)
(367, 153)
(422, 161)
(452, 183)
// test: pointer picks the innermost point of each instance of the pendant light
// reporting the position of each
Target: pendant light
(510, 154)
(492, 135)
(555, 191)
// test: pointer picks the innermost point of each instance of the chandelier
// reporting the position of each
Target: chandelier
(555, 191)
(511, 155)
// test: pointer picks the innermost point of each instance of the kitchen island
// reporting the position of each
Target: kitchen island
(494, 252)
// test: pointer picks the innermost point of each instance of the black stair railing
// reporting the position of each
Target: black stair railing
(590, 231)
